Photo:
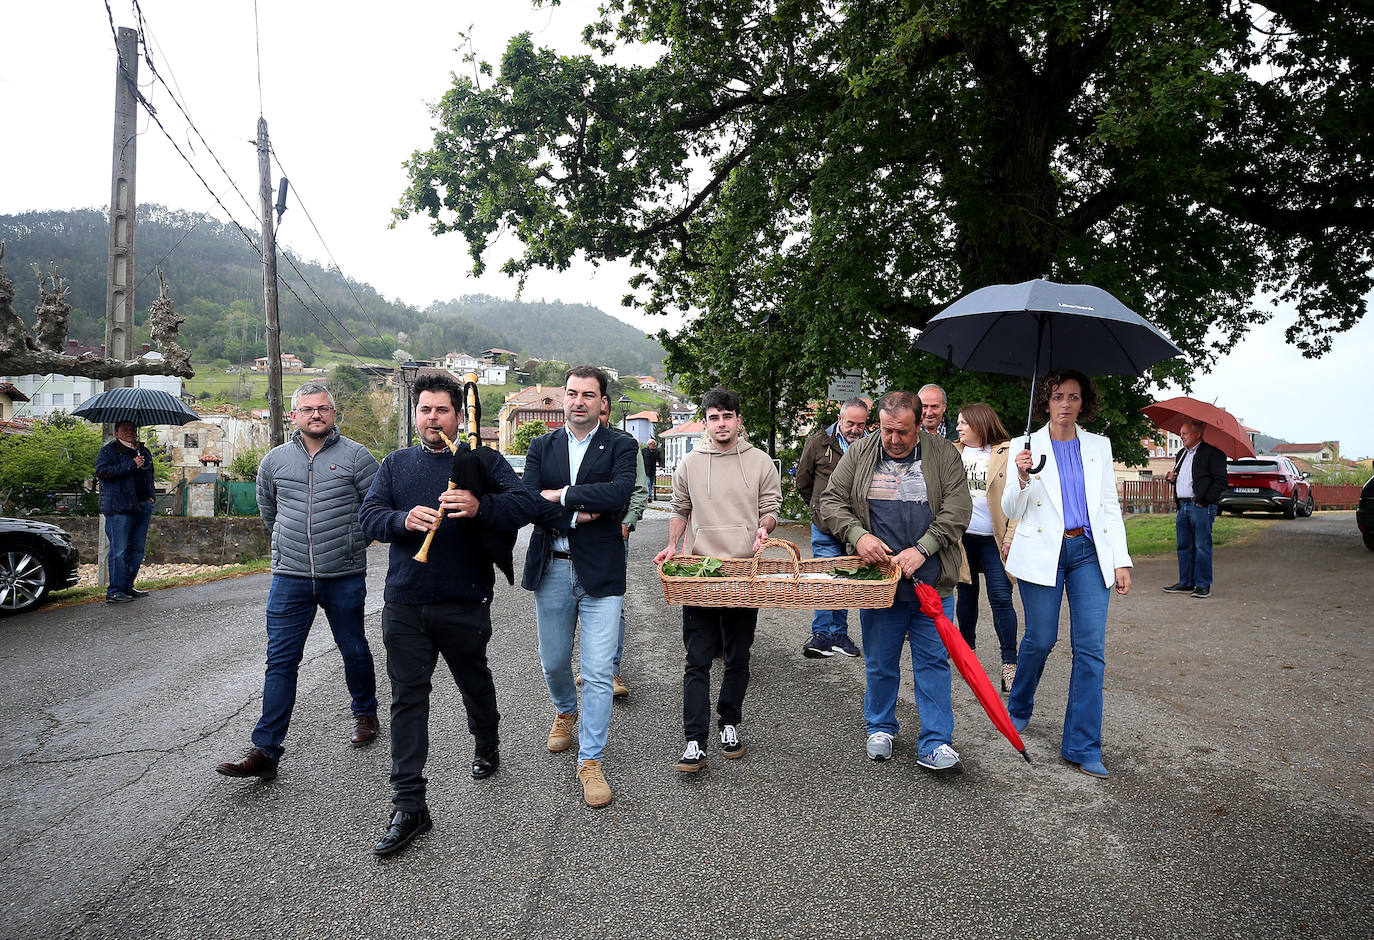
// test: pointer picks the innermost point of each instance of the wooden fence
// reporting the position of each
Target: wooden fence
(1336, 497)
(1146, 495)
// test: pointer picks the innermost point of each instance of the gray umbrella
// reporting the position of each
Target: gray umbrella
(1021, 329)
(142, 406)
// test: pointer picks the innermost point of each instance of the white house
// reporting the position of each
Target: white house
(489, 374)
(640, 424)
(50, 393)
(679, 442)
(460, 364)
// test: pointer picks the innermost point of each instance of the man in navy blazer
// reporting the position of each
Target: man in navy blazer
(1199, 476)
(575, 566)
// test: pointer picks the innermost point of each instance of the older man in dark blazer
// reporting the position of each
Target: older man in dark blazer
(1199, 476)
(575, 566)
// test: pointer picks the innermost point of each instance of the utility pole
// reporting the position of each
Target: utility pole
(269, 285)
(119, 276)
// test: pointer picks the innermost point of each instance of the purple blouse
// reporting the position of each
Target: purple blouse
(1068, 459)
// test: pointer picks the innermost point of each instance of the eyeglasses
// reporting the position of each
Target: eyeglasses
(322, 410)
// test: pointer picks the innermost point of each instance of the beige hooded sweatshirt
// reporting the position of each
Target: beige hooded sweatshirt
(722, 496)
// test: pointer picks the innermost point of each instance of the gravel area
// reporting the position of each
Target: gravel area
(151, 572)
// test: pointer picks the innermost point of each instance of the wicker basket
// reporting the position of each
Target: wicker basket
(741, 584)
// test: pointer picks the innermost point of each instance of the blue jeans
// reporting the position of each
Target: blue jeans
(1081, 577)
(985, 557)
(1193, 536)
(128, 535)
(291, 605)
(884, 633)
(827, 622)
(559, 602)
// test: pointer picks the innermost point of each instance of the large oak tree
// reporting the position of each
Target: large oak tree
(851, 167)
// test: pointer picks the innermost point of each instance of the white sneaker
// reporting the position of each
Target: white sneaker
(693, 759)
(730, 743)
(879, 745)
(942, 759)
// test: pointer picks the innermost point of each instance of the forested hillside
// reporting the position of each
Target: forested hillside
(555, 330)
(215, 279)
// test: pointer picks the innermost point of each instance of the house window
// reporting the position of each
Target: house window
(59, 398)
(191, 441)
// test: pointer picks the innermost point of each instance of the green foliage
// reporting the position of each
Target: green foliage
(851, 168)
(1153, 533)
(58, 456)
(525, 434)
(1332, 474)
(244, 466)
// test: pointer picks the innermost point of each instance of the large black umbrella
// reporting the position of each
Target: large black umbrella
(1020, 329)
(142, 406)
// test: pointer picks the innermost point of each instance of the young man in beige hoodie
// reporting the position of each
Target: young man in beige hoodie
(725, 502)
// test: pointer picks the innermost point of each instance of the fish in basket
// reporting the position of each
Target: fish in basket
(776, 582)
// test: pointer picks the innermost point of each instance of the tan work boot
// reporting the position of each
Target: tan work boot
(618, 688)
(561, 734)
(595, 790)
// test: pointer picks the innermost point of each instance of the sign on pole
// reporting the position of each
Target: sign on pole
(848, 384)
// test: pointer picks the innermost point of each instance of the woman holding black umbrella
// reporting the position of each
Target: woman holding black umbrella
(985, 447)
(1070, 537)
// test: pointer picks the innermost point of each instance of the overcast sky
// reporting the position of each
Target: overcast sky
(345, 89)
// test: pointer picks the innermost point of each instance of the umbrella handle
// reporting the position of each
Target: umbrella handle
(1040, 465)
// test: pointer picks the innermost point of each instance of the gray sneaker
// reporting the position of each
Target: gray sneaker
(943, 759)
(879, 745)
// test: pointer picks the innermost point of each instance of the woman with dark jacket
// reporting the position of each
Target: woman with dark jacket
(984, 445)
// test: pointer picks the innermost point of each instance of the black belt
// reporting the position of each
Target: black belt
(566, 556)
(1185, 499)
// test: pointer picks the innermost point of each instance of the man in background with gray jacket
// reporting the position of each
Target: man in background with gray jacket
(309, 492)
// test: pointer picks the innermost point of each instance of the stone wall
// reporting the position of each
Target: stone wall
(222, 540)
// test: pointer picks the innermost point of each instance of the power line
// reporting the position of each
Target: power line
(309, 218)
(148, 58)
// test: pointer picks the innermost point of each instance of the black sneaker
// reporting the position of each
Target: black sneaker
(1179, 588)
(730, 743)
(844, 645)
(693, 759)
(818, 647)
(118, 597)
(1202, 592)
(135, 592)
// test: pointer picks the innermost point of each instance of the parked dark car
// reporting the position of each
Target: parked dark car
(35, 558)
(1364, 514)
(1266, 484)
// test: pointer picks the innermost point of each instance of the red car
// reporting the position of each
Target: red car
(1266, 484)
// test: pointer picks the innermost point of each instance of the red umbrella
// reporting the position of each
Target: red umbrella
(969, 667)
(1219, 426)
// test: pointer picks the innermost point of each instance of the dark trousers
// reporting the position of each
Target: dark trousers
(416, 635)
(706, 631)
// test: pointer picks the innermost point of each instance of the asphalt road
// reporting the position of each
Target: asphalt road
(1237, 731)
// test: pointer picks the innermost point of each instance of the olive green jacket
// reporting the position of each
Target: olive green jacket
(844, 504)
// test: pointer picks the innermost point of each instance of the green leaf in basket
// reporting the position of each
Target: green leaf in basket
(706, 568)
(860, 573)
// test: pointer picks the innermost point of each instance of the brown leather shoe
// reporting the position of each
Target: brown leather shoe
(364, 731)
(254, 764)
(595, 790)
(618, 688)
(561, 734)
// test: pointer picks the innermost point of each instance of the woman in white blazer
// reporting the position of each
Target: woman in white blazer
(1069, 537)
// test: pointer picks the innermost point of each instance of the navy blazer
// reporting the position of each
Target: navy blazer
(604, 483)
(1209, 474)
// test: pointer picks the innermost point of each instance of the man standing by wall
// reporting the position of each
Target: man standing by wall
(726, 496)
(1199, 476)
(902, 495)
(653, 459)
(823, 450)
(584, 475)
(125, 470)
(443, 607)
(309, 493)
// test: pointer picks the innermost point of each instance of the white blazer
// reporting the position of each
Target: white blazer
(1034, 554)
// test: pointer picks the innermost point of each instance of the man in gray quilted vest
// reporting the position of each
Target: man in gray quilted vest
(309, 493)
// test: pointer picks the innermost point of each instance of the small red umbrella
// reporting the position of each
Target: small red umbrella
(969, 667)
(1220, 428)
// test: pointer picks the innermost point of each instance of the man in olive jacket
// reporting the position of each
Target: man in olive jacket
(902, 495)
